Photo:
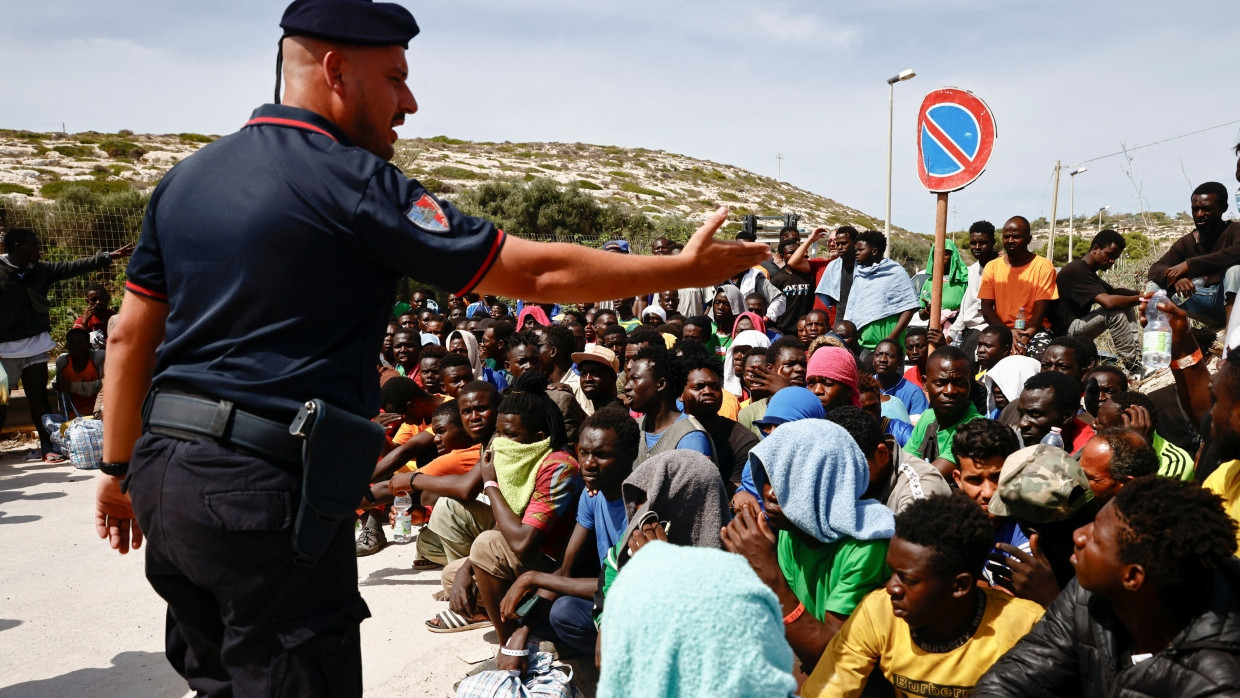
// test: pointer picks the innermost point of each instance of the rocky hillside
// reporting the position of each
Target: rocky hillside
(654, 181)
(40, 166)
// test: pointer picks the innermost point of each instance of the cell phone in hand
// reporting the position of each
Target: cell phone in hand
(526, 605)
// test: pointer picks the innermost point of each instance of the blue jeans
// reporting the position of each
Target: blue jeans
(569, 623)
(1208, 305)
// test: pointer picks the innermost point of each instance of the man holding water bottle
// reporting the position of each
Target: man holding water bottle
(1201, 270)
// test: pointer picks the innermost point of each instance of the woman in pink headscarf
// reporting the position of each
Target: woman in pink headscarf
(832, 376)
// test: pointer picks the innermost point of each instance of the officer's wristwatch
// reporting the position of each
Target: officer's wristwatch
(115, 469)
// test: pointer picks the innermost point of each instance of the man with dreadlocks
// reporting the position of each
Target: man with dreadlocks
(532, 484)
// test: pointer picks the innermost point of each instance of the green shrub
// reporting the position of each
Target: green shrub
(195, 138)
(728, 196)
(9, 188)
(436, 186)
(454, 172)
(121, 148)
(587, 184)
(64, 188)
(125, 133)
(551, 167)
(634, 188)
(619, 173)
(541, 209)
(75, 151)
(446, 141)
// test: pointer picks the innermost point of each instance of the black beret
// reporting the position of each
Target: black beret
(350, 21)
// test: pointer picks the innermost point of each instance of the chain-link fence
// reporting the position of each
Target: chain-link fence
(70, 231)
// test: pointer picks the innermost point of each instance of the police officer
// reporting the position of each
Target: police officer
(227, 283)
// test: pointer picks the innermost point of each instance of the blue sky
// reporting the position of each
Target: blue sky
(734, 82)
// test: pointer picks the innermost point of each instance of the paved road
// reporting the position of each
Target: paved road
(78, 619)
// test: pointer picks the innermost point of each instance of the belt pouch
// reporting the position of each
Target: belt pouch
(338, 456)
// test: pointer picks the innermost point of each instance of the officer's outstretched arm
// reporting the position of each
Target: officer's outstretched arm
(560, 272)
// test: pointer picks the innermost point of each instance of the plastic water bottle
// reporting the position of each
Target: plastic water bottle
(1020, 319)
(1156, 342)
(1054, 438)
(402, 527)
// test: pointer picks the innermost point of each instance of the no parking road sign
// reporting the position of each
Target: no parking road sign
(955, 136)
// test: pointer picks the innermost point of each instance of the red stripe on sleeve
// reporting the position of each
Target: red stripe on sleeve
(486, 265)
(135, 288)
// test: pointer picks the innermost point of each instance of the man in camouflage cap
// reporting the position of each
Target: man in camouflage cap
(1044, 493)
(1041, 484)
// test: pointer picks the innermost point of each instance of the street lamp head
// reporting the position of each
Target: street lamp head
(1077, 171)
(1105, 208)
(903, 75)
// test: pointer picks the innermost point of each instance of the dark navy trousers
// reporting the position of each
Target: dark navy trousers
(243, 618)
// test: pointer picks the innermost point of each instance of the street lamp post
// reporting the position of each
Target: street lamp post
(1071, 210)
(1100, 217)
(891, 98)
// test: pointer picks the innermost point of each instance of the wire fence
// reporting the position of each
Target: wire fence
(71, 231)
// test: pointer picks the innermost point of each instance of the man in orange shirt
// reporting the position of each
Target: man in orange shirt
(1019, 283)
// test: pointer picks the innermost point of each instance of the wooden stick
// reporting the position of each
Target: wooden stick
(940, 260)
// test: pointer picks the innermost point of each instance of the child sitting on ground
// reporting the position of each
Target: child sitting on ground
(79, 372)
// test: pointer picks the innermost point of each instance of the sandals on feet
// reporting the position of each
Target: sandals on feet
(53, 457)
(453, 622)
(424, 564)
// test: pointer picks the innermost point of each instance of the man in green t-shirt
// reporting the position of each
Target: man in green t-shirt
(817, 544)
(949, 381)
(1137, 412)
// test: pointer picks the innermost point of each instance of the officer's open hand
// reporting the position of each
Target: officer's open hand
(122, 252)
(707, 260)
(114, 519)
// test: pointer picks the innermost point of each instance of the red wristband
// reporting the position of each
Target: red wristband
(1187, 361)
(796, 613)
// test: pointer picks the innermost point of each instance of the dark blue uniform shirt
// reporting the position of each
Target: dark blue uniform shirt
(278, 250)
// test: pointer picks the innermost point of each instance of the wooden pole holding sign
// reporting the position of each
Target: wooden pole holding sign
(940, 261)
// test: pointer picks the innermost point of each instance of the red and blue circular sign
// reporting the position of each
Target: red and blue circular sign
(955, 136)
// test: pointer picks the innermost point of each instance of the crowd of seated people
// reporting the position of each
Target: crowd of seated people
(858, 499)
(888, 491)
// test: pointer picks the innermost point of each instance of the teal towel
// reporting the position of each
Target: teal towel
(690, 622)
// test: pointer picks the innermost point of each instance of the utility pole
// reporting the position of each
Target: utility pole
(779, 166)
(1050, 244)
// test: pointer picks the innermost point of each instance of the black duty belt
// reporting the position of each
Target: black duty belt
(182, 415)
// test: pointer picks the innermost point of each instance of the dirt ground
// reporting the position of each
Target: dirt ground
(78, 619)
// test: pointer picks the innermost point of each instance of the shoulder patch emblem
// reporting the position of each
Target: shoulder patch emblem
(425, 213)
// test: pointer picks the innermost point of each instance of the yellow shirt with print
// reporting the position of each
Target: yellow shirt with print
(873, 635)
(1225, 482)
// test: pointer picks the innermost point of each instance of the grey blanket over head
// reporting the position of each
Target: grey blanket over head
(682, 488)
